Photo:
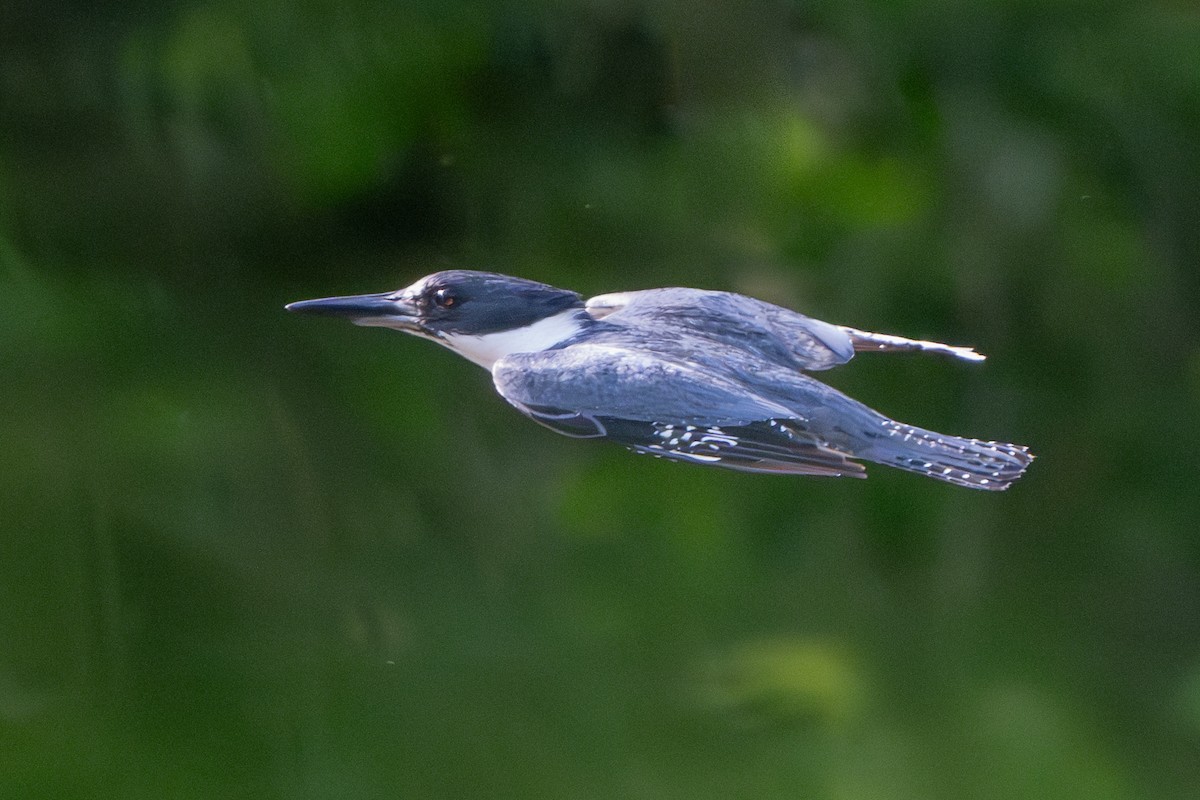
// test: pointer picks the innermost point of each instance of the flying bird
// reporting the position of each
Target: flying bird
(705, 377)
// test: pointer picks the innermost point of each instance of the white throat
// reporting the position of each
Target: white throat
(489, 348)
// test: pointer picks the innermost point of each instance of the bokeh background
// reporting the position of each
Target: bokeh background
(245, 554)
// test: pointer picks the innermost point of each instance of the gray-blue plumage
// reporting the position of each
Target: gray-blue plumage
(705, 377)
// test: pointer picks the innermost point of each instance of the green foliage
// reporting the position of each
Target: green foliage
(245, 554)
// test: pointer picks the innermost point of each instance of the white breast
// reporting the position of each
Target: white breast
(486, 350)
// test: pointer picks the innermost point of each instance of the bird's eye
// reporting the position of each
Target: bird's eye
(445, 298)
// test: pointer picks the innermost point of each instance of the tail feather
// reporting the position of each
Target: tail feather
(992, 466)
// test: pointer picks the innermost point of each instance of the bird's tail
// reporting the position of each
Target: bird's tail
(972, 463)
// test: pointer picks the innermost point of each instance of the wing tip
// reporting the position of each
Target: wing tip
(870, 342)
(966, 353)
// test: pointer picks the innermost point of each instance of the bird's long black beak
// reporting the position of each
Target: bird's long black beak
(387, 309)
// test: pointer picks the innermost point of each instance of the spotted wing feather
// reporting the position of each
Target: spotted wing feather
(664, 409)
(772, 446)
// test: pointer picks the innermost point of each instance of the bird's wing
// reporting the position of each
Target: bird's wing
(770, 332)
(658, 406)
(868, 342)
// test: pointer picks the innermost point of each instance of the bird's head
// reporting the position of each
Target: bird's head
(483, 316)
(455, 302)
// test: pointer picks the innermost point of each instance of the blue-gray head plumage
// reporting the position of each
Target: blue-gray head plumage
(471, 303)
(452, 302)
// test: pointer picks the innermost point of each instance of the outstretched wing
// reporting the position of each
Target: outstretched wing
(656, 406)
(776, 334)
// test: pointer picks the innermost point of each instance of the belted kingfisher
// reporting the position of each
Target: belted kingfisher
(699, 376)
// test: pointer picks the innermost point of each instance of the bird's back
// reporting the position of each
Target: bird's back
(702, 325)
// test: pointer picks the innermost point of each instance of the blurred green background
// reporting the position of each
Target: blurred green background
(246, 554)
